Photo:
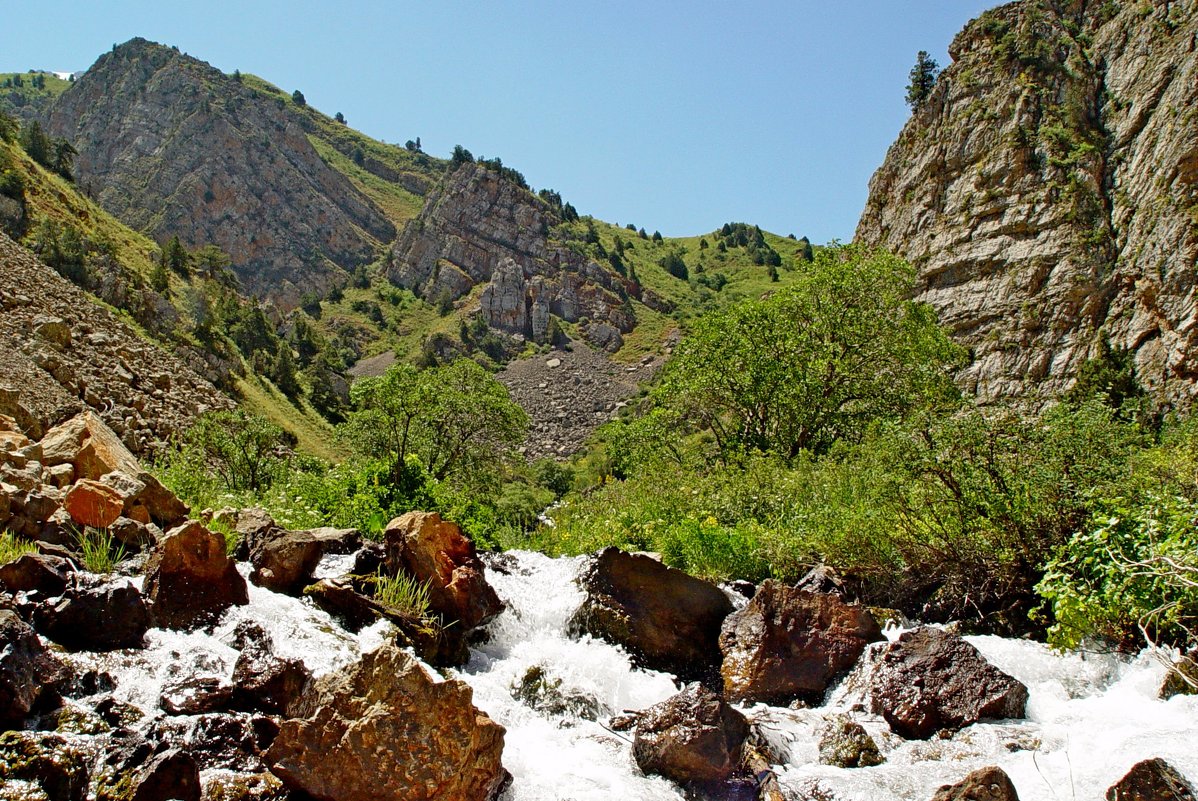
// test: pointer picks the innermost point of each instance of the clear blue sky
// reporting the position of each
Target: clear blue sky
(677, 116)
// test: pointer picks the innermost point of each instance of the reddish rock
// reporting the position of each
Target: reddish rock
(693, 738)
(1151, 780)
(91, 503)
(666, 619)
(284, 561)
(788, 643)
(986, 784)
(190, 579)
(930, 680)
(384, 730)
(422, 545)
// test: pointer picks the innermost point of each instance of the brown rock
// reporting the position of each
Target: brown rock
(788, 643)
(91, 503)
(262, 680)
(692, 738)
(34, 572)
(100, 617)
(28, 672)
(930, 680)
(384, 730)
(844, 743)
(986, 784)
(1151, 780)
(422, 545)
(666, 619)
(284, 561)
(190, 579)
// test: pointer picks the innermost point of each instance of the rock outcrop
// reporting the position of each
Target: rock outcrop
(29, 674)
(384, 730)
(190, 579)
(1151, 780)
(1046, 193)
(693, 738)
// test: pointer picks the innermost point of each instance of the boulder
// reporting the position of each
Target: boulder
(197, 695)
(284, 561)
(986, 784)
(99, 617)
(384, 730)
(432, 550)
(1182, 678)
(1151, 780)
(173, 775)
(217, 740)
(244, 787)
(49, 762)
(666, 619)
(91, 503)
(788, 643)
(263, 681)
(844, 743)
(29, 674)
(190, 579)
(930, 680)
(693, 738)
(35, 572)
(134, 535)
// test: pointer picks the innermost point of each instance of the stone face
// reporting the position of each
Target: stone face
(692, 738)
(788, 643)
(1151, 780)
(284, 561)
(91, 503)
(422, 545)
(95, 618)
(46, 761)
(28, 672)
(986, 784)
(34, 572)
(668, 620)
(190, 579)
(844, 743)
(262, 680)
(1048, 208)
(929, 680)
(383, 729)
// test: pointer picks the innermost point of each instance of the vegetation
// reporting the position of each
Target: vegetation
(922, 79)
(12, 548)
(404, 596)
(100, 549)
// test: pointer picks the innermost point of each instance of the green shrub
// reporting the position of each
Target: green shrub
(404, 596)
(100, 549)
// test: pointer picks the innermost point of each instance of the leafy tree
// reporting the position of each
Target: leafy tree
(8, 127)
(213, 263)
(339, 117)
(814, 363)
(36, 143)
(159, 280)
(673, 264)
(323, 380)
(657, 236)
(175, 257)
(242, 449)
(922, 79)
(806, 252)
(298, 98)
(460, 156)
(283, 374)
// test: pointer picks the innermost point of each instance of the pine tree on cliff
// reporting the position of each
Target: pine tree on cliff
(923, 79)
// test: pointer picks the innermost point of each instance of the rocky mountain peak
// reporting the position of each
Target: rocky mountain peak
(1046, 191)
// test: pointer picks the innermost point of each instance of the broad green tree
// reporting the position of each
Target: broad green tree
(241, 448)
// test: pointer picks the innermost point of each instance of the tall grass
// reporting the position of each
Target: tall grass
(404, 596)
(100, 549)
(12, 548)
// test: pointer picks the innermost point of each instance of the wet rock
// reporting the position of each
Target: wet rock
(98, 617)
(666, 619)
(370, 559)
(844, 743)
(217, 740)
(986, 784)
(48, 762)
(36, 573)
(284, 561)
(262, 680)
(1182, 678)
(432, 550)
(91, 503)
(384, 729)
(1151, 780)
(540, 691)
(173, 775)
(788, 643)
(693, 738)
(118, 714)
(929, 680)
(190, 579)
(254, 787)
(29, 674)
(196, 696)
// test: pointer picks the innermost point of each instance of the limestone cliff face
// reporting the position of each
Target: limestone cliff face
(1047, 192)
(480, 229)
(172, 146)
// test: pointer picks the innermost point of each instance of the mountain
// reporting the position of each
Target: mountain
(1047, 191)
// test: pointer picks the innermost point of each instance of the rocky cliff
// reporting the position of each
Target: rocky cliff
(478, 228)
(173, 146)
(1047, 191)
(61, 353)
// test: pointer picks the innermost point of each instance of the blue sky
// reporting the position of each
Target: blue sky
(676, 116)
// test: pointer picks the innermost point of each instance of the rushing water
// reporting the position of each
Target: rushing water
(1090, 716)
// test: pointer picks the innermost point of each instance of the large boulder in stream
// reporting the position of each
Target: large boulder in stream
(284, 561)
(190, 579)
(694, 738)
(930, 680)
(789, 643)
(95, 616)
(432, 550)
(29, 674)
(43, 762)
(666, 619)
(1151, 780)
(985, 784)
(35, 572)
(384, 730)
(262, 680)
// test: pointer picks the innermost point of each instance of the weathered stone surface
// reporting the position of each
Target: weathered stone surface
(28, 672)
(262, 680)
(190, 579)
(34, 572)
(789, 643)
(384, 729)
(101, 617)
(47, 761)
(284, 561)
(986, 784)
(1151, 780)
(172, 775)
(90, 503)
(1046, 195)
(929, 680)
(692, 738)
(844, 743)
(196, 696)
(241, 787)
(422, 545)
(666, 619)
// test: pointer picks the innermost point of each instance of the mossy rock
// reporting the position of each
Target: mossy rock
(48, 763)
